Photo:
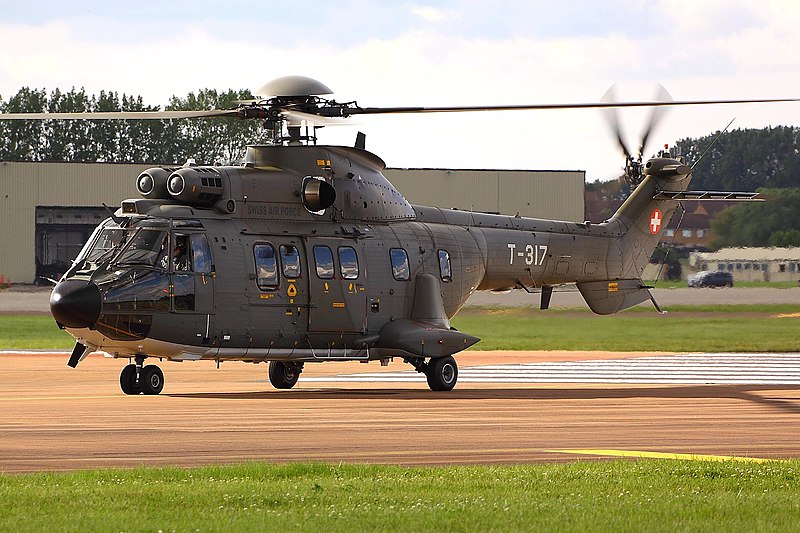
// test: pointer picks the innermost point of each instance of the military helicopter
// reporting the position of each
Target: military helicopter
(306, 253)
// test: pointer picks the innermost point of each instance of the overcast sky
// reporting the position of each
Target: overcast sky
(459, 52)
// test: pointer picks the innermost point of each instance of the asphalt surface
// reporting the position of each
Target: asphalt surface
(57, 418)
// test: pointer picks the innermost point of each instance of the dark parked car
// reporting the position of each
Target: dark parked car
(711, 279)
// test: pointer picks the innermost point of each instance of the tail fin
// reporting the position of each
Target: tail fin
(640, 222)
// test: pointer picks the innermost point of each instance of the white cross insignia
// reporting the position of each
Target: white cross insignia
(655, 221)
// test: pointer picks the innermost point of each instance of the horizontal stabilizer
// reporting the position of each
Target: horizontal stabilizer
(423, 338)
(708, 195)
(608, 297)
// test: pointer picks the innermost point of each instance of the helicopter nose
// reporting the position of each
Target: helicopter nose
(76, 303)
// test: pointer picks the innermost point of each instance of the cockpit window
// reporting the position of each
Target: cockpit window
(181, 253)
(87, 247)
(201, 254)
(108, 240)
(146, 247)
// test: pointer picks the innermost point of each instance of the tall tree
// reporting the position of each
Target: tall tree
(131, 141)
(220, 140)
(66, 140)
(771, 223)
(24, 138)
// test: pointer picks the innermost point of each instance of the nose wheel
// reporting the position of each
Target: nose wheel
(136, 379)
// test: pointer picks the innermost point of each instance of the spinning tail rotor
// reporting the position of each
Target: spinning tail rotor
(633, 165)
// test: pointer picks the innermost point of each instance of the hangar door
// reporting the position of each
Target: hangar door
(60, 234)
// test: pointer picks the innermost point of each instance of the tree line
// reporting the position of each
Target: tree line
(208, 141)
(748, 160)
(765, 160)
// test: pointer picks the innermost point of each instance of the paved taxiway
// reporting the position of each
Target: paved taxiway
(57, 418)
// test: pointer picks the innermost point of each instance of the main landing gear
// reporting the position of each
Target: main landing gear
(442, 372)
(139, 379)
(283, 375)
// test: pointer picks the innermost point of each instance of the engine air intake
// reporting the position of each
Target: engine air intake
(196, 186)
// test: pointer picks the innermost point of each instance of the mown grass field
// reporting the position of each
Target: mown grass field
(32, 332)
(644, 495)
(738, 328)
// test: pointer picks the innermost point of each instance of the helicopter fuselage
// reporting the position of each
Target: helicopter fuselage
(309, 254)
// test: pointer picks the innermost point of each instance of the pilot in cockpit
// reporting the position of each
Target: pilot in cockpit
(180, 258)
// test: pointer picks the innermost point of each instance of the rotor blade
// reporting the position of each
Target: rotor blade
(317, 120)
(120, 115)
(613, 120)
(588, 105)
(656, 114)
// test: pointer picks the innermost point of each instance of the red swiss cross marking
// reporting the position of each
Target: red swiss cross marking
(655, 221)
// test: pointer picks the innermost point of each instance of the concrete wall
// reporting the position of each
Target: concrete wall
(554, 195)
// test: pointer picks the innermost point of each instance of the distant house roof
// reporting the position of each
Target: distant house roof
(698, 214)
(749, 254)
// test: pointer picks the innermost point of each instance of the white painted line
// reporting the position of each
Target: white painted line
(686, 369)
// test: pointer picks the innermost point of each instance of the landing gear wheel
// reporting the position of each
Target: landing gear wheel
(151, 380)
(442, 374)
(127, 380)
(284, 375)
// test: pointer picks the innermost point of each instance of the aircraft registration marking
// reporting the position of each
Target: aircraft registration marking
(532, 254)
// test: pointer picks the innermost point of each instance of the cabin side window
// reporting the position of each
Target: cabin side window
(266, 267)
(348, 262)
(290, 261)
(400, 268)
(323, 260)
(445, 272)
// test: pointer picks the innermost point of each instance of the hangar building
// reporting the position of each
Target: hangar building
(751, 264)
(50, 209)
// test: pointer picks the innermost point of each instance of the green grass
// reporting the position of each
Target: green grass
(32, 332)
(708, 328)
(646, 495)
(703, 328)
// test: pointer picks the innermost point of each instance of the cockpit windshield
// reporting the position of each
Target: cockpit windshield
(108, 241)
(139, 246)
(146, 247)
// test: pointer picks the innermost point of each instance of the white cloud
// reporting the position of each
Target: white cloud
(430, 13)
(695, 53)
